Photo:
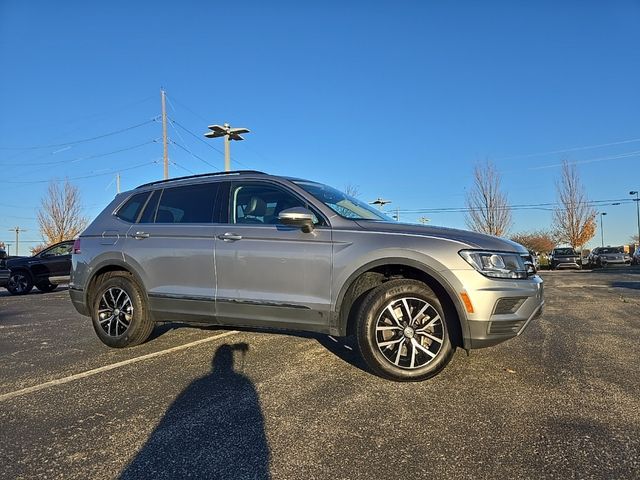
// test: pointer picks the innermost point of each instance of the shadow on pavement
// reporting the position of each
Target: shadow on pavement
(632, 285)
(213, 430)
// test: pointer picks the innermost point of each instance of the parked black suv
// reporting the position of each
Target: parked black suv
(51, 265)
(565, 257)
(4, 271)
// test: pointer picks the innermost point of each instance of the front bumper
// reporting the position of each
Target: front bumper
(502, 309)
(4, 277)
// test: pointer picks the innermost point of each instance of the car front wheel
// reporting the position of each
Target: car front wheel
(119, 311)
(402, 331)
(20, 283)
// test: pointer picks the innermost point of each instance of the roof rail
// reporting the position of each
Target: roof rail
(201, 175)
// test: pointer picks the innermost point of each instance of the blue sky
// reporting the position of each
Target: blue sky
(398, 98)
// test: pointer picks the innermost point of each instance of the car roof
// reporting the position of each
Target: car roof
(186, 179)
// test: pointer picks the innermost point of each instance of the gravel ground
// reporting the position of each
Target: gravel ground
(560, 401)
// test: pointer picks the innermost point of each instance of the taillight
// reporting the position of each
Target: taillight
(76, 246)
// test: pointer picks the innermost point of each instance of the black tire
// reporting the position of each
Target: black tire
(20, 282)
(377, 322)
(46, 286)
(139, 324)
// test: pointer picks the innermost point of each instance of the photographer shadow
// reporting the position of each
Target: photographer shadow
(214, 429)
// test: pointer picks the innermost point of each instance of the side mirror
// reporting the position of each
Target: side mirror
(297, 217)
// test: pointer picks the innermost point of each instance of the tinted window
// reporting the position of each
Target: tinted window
(149, 214)
(188, 204)
(63, 249)
(261, 203)
(131, 209)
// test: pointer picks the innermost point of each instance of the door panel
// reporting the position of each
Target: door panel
(175, 263)
(274, 275)
(269, 274)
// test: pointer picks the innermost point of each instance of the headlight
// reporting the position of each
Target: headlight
(496, 264)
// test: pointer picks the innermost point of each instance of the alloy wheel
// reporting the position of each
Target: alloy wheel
(409, 332)
(18, 282)
(115, 311)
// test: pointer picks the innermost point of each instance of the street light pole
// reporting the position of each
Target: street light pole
(229, 134)
(602, 214)
(637, 200)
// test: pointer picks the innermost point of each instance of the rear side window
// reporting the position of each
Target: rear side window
(188, 204)
(131, 209)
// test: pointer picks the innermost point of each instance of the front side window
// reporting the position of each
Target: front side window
(341, 203)
(260, 204)
(63, 249)
(188, 204)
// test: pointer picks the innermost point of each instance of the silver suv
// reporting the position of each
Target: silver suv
(251, 249)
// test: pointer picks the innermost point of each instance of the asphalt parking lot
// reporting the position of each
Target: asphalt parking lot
(560, 401)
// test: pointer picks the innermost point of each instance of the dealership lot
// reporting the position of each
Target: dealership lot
(561, 401)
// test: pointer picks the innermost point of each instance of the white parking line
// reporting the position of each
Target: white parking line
(106, 368)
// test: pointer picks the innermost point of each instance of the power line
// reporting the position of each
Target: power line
(182, 139)
(572, 149)
(590, 160)
(173, 162)
(84, 140)
(111, 172)
(193, 154)
(532, 206)
(196, 136)
(89, 157)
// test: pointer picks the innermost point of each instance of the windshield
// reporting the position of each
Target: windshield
(611, 250)
(341, 203)
(564, 251)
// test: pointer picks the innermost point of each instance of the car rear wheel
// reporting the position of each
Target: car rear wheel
(46, 286)
(119, 311)
(20, 283)
(402, 331)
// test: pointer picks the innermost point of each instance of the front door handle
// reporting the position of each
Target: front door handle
(140, 235)
(230, 237)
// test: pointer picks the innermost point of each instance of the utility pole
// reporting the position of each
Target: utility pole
(229, 134)
(18, 231)
(164, 135)
(117, 183)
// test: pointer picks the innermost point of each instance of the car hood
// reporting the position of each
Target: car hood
(16, 261)
(472, 239)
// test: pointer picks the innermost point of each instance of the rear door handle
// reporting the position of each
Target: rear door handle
(140, 235)
(230, 237)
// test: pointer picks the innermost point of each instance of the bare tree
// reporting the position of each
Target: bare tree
(574, 220)
(540, 241)
(352, 190)
(38, 248)
(488, 209)
(60, 215)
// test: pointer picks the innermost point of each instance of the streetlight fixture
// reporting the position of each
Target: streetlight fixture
(637, 200)
(380, 202)
(602, 214)
(229, 134)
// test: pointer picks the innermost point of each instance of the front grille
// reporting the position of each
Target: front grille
(508, 305)
(505, 328)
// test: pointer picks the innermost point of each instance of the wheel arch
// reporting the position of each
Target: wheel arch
(106, 267)
(374, 273)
